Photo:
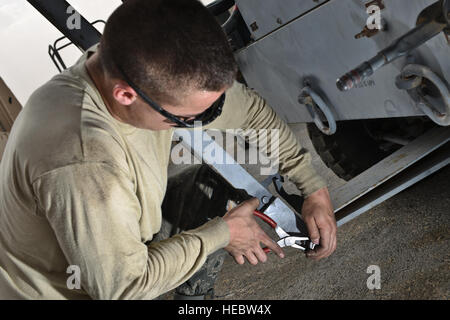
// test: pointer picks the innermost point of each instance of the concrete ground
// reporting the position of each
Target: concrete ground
(407, 236)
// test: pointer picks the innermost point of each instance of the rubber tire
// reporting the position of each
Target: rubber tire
(349, 152)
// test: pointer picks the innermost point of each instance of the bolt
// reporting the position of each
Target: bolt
(265, 199)
(279, 21)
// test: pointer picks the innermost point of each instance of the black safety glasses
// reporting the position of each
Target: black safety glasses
(202, 119)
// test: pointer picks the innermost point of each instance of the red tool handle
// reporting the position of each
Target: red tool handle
(267, 220)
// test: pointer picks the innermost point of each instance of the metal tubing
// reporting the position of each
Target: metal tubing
(410, 41)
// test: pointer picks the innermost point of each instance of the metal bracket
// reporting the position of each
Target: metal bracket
(314, 101)
(391, 175)
(198, 141)
(411, 79)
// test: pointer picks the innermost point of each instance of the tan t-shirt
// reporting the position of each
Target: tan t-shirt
(79, 188)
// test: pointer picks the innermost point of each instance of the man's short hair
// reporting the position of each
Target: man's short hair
(167, 48)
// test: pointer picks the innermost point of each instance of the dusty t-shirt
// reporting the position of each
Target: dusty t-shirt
(81, 194)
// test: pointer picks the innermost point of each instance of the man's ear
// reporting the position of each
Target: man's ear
(124, 94)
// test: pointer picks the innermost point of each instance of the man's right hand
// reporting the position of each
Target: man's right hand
(246, 235)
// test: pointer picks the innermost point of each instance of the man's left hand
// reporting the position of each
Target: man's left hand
(318, 214)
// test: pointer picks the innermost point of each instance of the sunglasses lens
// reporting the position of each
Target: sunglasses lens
(210, 114)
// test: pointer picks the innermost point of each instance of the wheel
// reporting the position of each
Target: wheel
(360, 144)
